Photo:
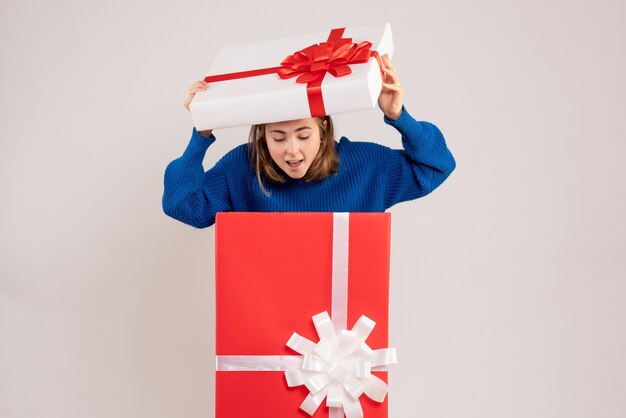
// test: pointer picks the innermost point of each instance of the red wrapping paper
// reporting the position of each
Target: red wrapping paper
(273, 273)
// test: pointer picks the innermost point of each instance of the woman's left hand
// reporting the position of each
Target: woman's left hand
(390, 99)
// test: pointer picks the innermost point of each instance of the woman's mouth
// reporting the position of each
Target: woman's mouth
(294, 164)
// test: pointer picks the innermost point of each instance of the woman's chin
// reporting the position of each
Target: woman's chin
(296, 176)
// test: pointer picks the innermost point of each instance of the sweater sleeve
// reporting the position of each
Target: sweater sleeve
(191, 195)
(422, 166)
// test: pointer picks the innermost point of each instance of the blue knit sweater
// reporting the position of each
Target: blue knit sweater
(370, 178)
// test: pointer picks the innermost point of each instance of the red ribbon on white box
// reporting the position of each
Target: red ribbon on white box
(312, 63)
(338, 367)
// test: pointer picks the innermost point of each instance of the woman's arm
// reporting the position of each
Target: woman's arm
(426, 160)
(422, 166)
(190, 195)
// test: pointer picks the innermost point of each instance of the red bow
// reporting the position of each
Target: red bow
(312, 63)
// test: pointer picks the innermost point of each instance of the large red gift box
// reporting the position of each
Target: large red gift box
(274, 272)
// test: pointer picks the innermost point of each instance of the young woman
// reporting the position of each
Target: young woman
(296, 166)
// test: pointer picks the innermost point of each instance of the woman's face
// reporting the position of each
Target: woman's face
(293, 145)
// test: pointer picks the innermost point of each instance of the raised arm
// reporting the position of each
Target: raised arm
(423, 164)
(425, 161)
(190, 194)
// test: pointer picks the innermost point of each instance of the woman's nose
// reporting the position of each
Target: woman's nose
(292, 146)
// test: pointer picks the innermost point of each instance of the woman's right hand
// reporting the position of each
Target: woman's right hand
(193, 89)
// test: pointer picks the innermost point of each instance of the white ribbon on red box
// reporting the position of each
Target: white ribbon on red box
(338, 367)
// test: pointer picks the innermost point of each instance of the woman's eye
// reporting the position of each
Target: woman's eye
(303, 137)
(279, 139)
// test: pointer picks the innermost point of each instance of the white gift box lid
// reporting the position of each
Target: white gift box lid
(269, 98)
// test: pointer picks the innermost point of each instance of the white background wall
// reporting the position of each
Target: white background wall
(508, 283)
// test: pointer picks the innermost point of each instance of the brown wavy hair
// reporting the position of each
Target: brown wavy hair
(326, 161)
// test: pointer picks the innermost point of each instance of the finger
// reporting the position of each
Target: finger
(192, 94)
(194, 90)
(393, 75)
(391, 69)
(388, 62)
(198, 84)
(394, 87)
(190, 97)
